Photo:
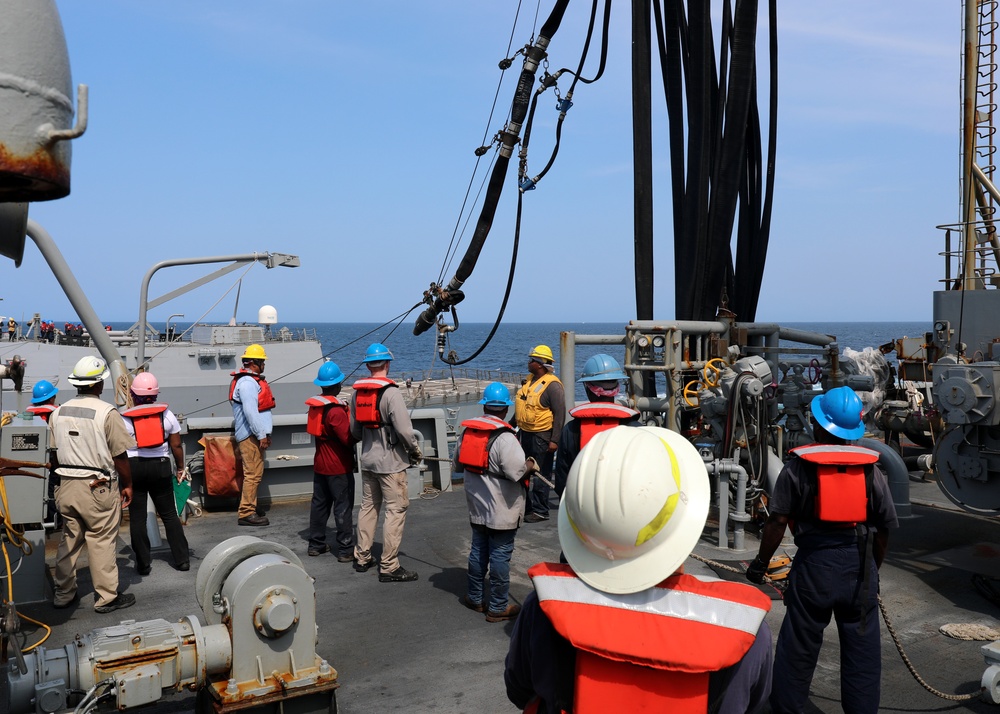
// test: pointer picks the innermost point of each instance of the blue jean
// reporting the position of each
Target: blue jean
(825, 582)
(491, 550)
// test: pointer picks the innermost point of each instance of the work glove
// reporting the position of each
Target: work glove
(756, 571)
(416, 456)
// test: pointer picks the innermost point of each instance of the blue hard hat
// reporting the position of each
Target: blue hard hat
(329, 375)
(377, 352)
(496, 395)
(43, 391)
(840, 412)
(602, 368)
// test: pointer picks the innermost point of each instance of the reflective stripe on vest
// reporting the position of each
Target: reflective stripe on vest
(841, 481)
(317, 411)
(528, 409)
(42, 410)
(265, 398)
(367, 394)
(595, 417)
(78, 437)
(684, 623)
(147, 422)
(478, 437)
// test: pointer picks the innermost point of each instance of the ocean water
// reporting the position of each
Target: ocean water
(345, 343)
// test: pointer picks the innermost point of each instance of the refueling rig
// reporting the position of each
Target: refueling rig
(741, 393)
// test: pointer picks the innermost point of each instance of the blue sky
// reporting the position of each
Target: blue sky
(344, 133)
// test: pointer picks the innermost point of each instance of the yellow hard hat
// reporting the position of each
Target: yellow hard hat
(542, 352)
(254, 352)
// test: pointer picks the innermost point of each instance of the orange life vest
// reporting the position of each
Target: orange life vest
(367, 395)
(843, 478)
(317, 411)
(265, 399)
(652, 650)
(42, 410)
(478, 437)
(595, 417)
(147, 421)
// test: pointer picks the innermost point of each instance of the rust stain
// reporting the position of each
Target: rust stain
(34, 177)
(135, 660)
(985, 550)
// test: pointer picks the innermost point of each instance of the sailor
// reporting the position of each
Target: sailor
(839, 505)
(380, 421)
(333, 465)
(89, 453)
(11, 329)
(43, 399)
(252, 402)
(43, 403)
(157, 461)
(601, 381)
(539, 412)
(621, 627)
(493, 464)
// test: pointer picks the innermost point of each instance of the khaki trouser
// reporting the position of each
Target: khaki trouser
(90, 517)
(253, 473)
(376, 489)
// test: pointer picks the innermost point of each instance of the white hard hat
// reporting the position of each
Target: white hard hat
(89, 370)
(634, 507)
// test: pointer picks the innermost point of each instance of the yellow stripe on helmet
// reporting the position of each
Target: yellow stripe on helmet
(663, 517)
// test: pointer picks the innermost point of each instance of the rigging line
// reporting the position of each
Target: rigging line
(468, 217)
(202, 316)
(576, 77)
(449, 254)
(400, 318)
(399, 321)
(586, 45)
(604, 50)
(506, 295)
(569, 94)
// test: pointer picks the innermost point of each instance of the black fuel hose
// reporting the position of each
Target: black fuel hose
(508, 139)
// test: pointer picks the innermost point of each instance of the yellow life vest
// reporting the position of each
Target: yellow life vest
(528, 409)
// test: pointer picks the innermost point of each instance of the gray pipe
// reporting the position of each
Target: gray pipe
(896, 472)
(78, 299)
(739, 516)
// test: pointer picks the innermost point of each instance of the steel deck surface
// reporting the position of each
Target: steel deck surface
(413, 646)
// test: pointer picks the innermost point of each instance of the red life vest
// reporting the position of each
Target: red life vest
(367, 395)
(595, 417)
(317, 412)
(652, 650)
(42, 410)
(265, 399)
(842, 481)
(478, 437)
(147, 421)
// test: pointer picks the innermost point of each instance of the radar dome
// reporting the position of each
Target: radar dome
(267, 315)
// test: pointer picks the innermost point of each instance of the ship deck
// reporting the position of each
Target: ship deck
(414, 647)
